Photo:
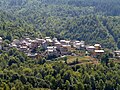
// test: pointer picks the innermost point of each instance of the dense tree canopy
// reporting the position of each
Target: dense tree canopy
(71, 19)
(29, 74)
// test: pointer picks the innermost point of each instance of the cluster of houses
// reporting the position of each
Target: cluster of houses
(51, 46)
(95, 50)
(55, 47)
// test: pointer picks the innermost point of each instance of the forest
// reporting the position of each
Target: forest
(69, 19)
(18, 72)
(94, 21)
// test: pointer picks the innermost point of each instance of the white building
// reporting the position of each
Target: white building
(97, 46)
(65, 49)
(78, 44)
(58, 45)
(90, 48)
(117, 53)
(49, 41)
(99, 51)
(1, 42)
(24, 49)
(64, 42)
(51, 50)
(55, 40)
(40, 41)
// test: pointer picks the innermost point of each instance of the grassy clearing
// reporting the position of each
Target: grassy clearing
(83, 59)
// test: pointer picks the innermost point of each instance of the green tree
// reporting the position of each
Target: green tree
(65, 59)
(80, 86)
(67, 85)
(105, 59)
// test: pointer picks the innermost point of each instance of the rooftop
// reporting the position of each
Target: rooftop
(39, 39)
(117, 51)
(24, 41)
(77, 41)
(47, 37)
(64, 41)
(78, 44)
(90, 47)
(49, 40)
(66, 45)
(23, 47)
(57, 43)
(32, 54)
(97, 45)
(99, 51)
(0, 38)
(50, 47)
(50, 50)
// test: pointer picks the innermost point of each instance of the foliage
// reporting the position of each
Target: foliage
(30, 75)
(70, 19)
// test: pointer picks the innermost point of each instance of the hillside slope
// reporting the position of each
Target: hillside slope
(91, 21)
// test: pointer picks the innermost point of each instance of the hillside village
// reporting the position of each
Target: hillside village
(53, 48)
